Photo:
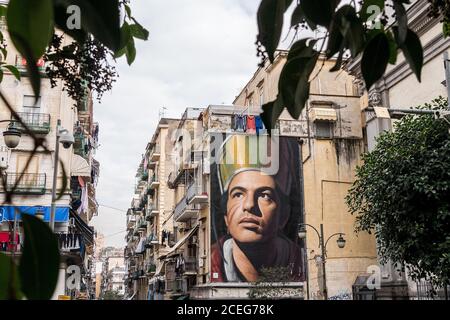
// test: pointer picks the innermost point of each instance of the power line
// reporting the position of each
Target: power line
(113, 208)
(114, 234)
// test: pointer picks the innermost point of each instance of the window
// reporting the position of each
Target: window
(261, 96)
(29, 106)
(324, 129)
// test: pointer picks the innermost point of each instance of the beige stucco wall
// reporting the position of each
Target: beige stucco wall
(329, 170)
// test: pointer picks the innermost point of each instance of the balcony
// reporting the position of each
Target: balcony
(184, 212)
(152, 211)
(195, 195)
(151, 240)
(155, 154)
(175, 285)
(21, 64)
(142, 226)
(190, 265)
(131, 221)
(154, 182)
(79, 147)
(36, 122)
(144, 176)
(70, 242)
(150, 268)
(29, 183)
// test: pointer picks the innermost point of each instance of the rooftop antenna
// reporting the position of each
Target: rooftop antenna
(162, 112)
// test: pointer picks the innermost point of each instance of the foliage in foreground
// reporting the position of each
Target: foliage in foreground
(402, 192)
(363, 29)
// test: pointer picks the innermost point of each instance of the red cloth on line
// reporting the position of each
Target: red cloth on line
(251, 124)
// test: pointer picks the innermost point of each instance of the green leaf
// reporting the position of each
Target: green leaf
(101, 18)
(320, 12)
(128, 10)
(131, 52)
(302, 48)
(366, 9)
(270, 24)
(9, 279)
(3, 11)
(402, 22)
(352, 29)
(446, 29)
(339, 59)
(271, 112)
(413, 51)
(30, 22)
(138, 31)
(39, 264)
(375, 59)
(293, 85)
(32, 69)
(298, 16)
(125, 35)
(393, 49)
(335, 39)
(13, 70)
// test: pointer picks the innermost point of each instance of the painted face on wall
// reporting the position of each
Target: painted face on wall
(252, 207)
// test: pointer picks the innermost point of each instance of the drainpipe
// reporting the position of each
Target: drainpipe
(302, 211)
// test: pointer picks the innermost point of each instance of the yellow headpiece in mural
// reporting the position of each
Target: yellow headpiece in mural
(264, 154)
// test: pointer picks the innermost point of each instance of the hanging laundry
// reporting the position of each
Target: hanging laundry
(259, 124)
(233, 122)
(251, 124)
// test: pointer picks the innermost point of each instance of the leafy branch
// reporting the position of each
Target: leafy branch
(353, 29)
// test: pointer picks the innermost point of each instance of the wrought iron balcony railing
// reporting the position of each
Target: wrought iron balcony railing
(29, 183)
(36, 122)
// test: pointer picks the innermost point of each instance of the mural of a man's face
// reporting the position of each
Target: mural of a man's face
(252, 207)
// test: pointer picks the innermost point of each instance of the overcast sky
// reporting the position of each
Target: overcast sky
(200, 52)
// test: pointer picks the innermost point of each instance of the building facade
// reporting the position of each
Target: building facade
(399, 89)
(186, 231)
(28, 173)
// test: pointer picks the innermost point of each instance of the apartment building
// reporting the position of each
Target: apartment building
(325, 144)
(150, 215)
(32, 191)
(399, 90)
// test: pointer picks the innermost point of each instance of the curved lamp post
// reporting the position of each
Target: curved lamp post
(323, 245)
(12, 135)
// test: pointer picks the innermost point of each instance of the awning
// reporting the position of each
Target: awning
(140, 247)
(323, 114)
(80, 167)
(181, 241)
(7, 212)
(161, 266)
(85, 229)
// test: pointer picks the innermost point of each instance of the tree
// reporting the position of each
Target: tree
(402, 192)
(358, 28)
(36, 29)
(112, 295)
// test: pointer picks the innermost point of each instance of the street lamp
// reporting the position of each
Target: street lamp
(67, 140)
(11, 135)
(323, 245)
